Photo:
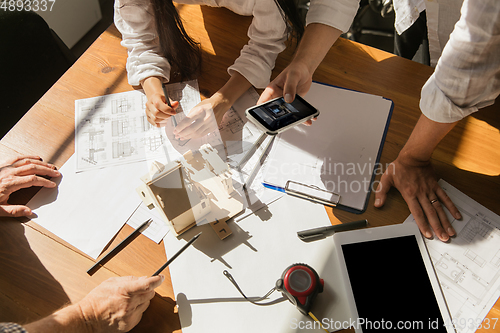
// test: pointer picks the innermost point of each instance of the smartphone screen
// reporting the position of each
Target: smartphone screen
(278, 114)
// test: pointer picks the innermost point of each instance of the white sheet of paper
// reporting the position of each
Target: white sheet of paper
(87, 209)
(468, 267)
(261, 247)
(338, 153)
(156, 230)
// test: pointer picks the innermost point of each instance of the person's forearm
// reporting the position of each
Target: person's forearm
(233, 89)
(69, 319)
(315, 43)
(152, 85)
(423, 140)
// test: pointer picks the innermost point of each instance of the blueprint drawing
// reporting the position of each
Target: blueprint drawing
(468, 267)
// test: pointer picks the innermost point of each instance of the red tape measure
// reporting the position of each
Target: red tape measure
(300, 284)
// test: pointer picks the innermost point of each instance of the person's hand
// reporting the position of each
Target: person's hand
(23, 172)
(117, 304)
(294, 79)
(202, 119)
(157, 110)
(417, 183)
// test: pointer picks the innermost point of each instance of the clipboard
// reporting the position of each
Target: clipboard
(338, 156)
(307, 192)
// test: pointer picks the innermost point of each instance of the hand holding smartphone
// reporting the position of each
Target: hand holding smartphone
(276, 115)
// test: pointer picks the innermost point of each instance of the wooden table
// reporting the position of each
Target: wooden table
(40, 272)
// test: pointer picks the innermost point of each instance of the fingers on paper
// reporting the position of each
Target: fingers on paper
(16, 183)
(187, 128)
(446, 201)
(433, 215)
(21, 158)
(196, 129)
(14, 210)
(383, 186)
(198, 124)
(419, 216)
(30, 161)
(36, 168)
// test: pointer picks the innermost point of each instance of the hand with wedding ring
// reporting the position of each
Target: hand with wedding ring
(417, 183)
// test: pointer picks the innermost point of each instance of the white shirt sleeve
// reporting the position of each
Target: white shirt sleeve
(267, 34)
(135, 21)
(338, 14)
(467, 75)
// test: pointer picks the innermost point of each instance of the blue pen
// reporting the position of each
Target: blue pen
(274, 187)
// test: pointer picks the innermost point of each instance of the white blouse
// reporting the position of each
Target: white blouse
(267, 33)
(467, 75)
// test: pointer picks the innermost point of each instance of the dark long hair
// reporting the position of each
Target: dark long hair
(181, 51)
(291, 15)
(184, 54)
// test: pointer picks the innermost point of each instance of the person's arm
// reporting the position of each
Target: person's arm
(23, 172)
(297, 76)
(116, 305)
(205, 117)
(326, 20)
(68, 319)
(146, 66)
(465, 80)
(134, 19)
(412, 174)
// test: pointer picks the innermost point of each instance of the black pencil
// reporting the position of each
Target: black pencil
(166, 94)
(191, 241)
(118, 247)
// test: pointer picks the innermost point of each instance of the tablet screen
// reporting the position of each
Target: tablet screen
(391, 288)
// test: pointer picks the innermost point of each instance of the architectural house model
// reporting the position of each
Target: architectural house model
(195, 190)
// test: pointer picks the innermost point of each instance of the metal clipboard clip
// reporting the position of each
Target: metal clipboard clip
(312, 193)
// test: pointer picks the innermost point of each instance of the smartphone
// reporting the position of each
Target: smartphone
(276, 116)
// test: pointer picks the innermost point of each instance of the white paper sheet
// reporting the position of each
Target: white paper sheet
(87, 209)
(156, 230)
(261, 247)
(468, 267)
(338, 153)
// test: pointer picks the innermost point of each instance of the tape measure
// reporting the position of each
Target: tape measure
(300, 284)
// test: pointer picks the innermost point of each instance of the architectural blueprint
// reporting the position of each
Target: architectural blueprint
(113, 129)
(468, 267)
(238, 134)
